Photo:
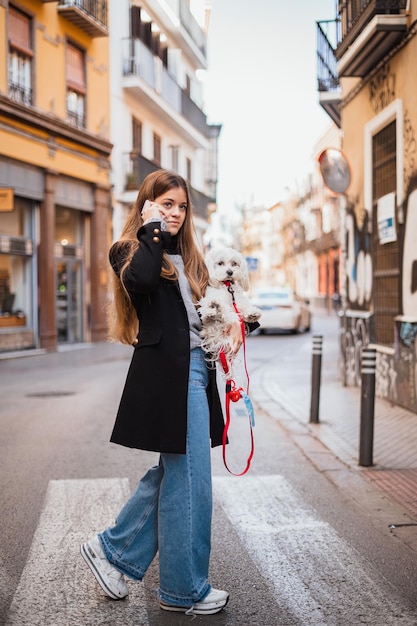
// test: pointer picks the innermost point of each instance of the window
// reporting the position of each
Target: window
(174, 157)
(20, 57)
(136, 136)
(157, 149)
(188, 164)
(386, 255)
(16, 265)
(76, 85)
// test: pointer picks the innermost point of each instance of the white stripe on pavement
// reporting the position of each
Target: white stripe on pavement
(56, 587)
(312, 571)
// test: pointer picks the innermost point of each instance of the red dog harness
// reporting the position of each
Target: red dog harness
(234, 393)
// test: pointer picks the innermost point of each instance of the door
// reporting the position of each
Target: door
(69, 300)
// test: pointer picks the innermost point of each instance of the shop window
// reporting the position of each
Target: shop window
(20, 57)
(16, 250)
(68, 227)
(386, 270)
(76, 85)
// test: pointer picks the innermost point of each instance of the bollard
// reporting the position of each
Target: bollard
(366, 442)
(316, 378)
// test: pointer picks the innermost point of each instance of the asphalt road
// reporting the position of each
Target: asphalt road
(290, 546)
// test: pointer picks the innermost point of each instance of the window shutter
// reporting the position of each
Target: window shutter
(19, 31)
(75, 69)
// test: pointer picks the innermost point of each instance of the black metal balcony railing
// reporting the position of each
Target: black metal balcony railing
(20, 93)
(382, 24)
(327, 76)
(200, 202)
(193, 113)
(137, 167)
(90, 15)
(96, 9)
(354, 15)
(76, 119)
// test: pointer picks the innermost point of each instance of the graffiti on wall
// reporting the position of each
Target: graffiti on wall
(386, 377)
(410, 149)
(406, 328)
(382, 89)
(358, 262)
(354, 334)
(405, 365)
(396, 369)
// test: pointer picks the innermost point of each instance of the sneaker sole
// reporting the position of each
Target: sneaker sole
(88, 559)
(210, 609)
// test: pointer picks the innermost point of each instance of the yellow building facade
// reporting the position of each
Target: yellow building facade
(371, 93)
(55, 193)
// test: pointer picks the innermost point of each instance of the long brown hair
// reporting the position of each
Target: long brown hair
(123, 322)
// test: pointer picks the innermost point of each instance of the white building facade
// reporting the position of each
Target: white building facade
(157, 50)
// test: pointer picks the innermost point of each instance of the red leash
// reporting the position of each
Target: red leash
(234, 394)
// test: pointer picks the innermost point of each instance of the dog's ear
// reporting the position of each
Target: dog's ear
(245, 274)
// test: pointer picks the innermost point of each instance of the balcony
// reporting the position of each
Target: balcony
(327, 75)
(89, 15)
(370, 29)
(146, 77)
(192, 27)
(200, 203)
(136, 167)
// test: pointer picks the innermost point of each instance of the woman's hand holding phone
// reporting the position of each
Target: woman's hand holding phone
(152, 210)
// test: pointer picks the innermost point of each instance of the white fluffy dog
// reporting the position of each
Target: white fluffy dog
(228, 280)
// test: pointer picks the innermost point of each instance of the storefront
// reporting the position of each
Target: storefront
(51, 259)
(23, 190)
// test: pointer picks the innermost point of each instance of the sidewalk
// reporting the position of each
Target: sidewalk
(277, 392)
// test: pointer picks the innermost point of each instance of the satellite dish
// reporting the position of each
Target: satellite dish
(335, 170)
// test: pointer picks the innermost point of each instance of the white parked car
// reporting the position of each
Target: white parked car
(282, 310)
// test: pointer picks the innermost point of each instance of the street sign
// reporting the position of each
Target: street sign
(252, 263)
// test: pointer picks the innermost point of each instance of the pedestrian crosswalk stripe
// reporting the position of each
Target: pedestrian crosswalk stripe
(313, 572)
(56, 588)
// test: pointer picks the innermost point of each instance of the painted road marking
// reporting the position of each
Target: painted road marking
(56, 587)
(313, 572)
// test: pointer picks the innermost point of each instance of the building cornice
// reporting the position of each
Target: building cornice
(54, 126)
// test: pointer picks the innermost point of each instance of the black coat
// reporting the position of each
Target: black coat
(152, 413)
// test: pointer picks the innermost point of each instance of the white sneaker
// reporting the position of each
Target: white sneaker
(108, 577)
(214, 602)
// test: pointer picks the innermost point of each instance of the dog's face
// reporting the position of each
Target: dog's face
(227, 264)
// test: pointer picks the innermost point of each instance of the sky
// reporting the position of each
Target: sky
(261, 85)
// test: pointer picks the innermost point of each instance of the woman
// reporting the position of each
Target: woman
(170, 404)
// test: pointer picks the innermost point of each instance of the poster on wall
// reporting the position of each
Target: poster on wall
(386, 218)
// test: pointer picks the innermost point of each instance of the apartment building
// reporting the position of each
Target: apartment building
(55, 202)
(158, 51)
(365, 78)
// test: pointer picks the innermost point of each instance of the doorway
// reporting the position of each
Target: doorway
(69, 300)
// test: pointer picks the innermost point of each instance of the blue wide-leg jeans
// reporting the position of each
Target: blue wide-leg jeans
(171, 509)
